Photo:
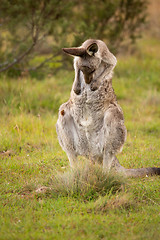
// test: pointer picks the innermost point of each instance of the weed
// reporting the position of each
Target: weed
(85, 181)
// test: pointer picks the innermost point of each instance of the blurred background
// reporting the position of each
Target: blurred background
(33, 32)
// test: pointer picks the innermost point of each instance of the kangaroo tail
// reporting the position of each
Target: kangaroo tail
(142, 172)
(137, 172)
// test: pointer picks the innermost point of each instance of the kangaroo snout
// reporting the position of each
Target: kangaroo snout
(86, 69)
(87, 72)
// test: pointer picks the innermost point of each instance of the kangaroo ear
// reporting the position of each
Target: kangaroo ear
(75, 51)
(92, 49)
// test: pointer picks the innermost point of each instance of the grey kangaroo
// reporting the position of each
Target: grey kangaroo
(91, 123)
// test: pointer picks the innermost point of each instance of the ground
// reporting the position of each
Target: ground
(30, 155)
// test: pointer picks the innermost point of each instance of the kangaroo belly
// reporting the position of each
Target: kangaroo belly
(91, 139)
(95, 142)
(89, 126)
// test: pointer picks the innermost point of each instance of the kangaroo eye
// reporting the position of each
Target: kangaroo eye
(92, 49)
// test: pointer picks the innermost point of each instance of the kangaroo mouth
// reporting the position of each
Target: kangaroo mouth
(87, 71)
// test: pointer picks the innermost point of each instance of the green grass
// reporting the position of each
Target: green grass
(30, 157)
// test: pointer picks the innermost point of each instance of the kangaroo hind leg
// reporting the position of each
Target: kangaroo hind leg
(114, 135)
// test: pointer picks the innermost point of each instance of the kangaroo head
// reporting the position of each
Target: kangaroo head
(92, 58)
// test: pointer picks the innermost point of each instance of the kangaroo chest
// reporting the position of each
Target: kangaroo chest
(88, 110)
(88, 118)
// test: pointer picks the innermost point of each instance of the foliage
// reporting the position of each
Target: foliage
(27, 26)
(111, 21)
(35, 28)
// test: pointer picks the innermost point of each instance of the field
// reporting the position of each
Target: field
(30, 157)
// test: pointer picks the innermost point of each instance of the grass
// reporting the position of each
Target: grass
(30, 157)
(85, 181)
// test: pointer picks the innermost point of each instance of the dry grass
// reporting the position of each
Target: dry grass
(111, 202)
(86, 181)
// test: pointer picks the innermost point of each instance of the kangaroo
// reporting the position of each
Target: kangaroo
(91, 123)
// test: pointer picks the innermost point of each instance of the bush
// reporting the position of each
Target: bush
(33, 28)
